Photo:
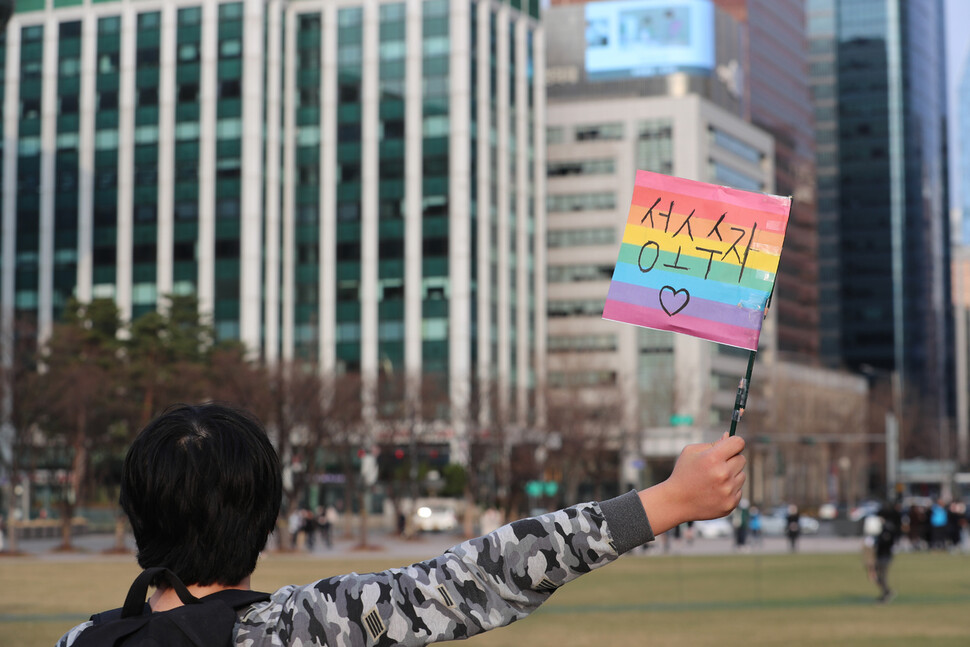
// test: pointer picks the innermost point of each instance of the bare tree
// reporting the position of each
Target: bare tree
(77, 396)
(806, 422)
(584, 425)
(19, 380)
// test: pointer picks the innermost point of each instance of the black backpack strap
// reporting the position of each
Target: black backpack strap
(237, 598)
(135, 602)
(106, 616)
(202, 622)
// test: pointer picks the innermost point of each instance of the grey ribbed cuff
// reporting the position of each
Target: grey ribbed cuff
(627, 521)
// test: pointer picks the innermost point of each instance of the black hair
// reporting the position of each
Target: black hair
(202, 487)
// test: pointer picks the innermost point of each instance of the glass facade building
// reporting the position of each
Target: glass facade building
(963, 142)
(359, 184)
(777, 98)
(675, 389)
(880, 99)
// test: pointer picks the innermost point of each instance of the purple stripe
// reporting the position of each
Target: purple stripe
(696, 308)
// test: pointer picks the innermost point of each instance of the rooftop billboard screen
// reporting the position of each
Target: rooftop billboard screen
(636, 38)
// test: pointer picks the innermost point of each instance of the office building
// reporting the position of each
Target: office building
(961, 121)
(747, 56)
(880, 99)
(674, 388)
(668, 99)
(358, 183)
(777, 99)
(961, 268)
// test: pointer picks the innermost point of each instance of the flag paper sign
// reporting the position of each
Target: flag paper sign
(698, 259)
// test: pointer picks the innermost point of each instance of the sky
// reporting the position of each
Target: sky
(957, 53)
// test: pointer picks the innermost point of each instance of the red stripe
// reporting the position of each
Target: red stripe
(709, 201)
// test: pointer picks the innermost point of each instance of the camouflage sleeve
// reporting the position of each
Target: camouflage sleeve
(69, 638)
(475, 586)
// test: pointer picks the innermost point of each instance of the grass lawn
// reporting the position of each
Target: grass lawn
(785, 600)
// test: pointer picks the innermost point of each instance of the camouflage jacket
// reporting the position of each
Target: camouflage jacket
(478, 585)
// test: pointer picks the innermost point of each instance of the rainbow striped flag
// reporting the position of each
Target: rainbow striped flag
(698, 259)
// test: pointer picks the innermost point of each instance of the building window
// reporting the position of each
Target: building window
(576, 308)
(581, 202)
(108, 62)
(724, 174)
(574, 379)
(230, 48)
(581, 237)
(582, 343)
(571, 273)
(583, 167)
(745, 151)
(599, 132)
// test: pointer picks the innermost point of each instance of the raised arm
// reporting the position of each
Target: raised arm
(501, 577)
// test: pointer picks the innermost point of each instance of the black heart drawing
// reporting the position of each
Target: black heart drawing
(676, 305)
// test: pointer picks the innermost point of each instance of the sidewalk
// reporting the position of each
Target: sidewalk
(382, 544)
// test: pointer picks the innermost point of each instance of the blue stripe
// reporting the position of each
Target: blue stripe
(698, 287)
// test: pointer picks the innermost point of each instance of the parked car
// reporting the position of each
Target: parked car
(864, 509)
(828, 511)
(775, 521)
(712, 528)
(435, 517)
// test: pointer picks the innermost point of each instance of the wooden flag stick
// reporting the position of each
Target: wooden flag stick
(742, 397)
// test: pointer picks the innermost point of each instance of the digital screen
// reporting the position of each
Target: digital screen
(636, 38)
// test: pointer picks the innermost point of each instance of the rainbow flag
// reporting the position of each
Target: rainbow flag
(698, 259)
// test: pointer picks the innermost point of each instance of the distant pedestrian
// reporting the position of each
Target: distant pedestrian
(333, 517)
(884, 543)
(740, 519)
(754, 525)
(938, 522)
(490, 520)
(918, 527)
(793, 527)
(309, 529)
(871, 527)
(323, 524)
(295, 525)
(955, 517)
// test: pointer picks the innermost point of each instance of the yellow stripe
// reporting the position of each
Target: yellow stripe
(757, 259)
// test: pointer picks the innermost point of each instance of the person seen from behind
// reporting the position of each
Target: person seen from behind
(202, 488)
(885, 541)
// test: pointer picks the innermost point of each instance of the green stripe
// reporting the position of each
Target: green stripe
(721, 272)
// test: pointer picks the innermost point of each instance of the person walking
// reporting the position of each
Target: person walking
(793, 527)
(938, 522)
(754, 525)
(884, 544)
(740, 519)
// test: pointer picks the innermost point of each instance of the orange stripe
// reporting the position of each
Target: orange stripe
(644, 199)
